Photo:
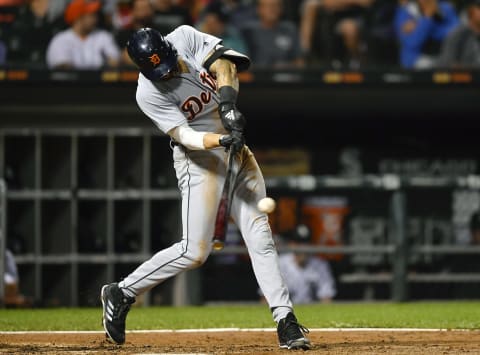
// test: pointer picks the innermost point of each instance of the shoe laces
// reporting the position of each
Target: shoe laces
(121, 309)
(294, 329)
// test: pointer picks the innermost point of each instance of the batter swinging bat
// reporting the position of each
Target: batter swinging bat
(223, 212)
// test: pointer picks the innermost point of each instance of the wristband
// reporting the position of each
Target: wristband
(228, 94)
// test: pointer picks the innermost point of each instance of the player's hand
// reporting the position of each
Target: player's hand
(232, 119)
(234, 140)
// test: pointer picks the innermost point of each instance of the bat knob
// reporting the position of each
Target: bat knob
(217, 244)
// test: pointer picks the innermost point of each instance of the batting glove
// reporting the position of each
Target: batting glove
(234, 140)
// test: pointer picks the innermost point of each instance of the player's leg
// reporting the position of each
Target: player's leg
(200, 186)
(250, 188)
(253, 224)
(200, 179)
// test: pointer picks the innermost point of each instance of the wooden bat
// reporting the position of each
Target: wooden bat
(223, 212)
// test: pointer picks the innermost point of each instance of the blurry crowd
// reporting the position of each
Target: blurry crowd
(339, 34)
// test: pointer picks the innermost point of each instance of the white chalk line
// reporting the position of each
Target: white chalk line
(220, 330)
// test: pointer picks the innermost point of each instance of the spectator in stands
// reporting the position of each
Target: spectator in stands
(56, 8)
(215, 22)
(271, 41)
(308, 277)
(35, 24)
(338, 18)
(421, 26)
(169, 16)
(4, 3)
(461, 49)
(239, 12)
(82, 46)
(118, 14)
(379, 34)
(8, 10)
(194, 7)
(142, 16)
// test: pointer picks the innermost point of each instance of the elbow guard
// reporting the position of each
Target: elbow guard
(241, 61)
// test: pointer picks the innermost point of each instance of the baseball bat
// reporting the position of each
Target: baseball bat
(223, 212)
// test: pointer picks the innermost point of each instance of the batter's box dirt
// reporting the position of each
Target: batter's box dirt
(337, 342)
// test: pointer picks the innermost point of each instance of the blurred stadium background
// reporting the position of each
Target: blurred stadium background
(372, 144)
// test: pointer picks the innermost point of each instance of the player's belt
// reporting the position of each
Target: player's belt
(174, 143)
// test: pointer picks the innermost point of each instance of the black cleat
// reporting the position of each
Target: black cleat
(115, 309)
(291, 335)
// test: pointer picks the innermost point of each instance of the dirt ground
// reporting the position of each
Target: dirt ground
(337, 342)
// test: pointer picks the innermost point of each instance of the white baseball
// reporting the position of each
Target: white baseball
(266, 205)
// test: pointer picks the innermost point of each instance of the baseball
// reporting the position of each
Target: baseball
(266, 205)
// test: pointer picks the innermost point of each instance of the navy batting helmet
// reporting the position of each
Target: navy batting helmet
(152, 53)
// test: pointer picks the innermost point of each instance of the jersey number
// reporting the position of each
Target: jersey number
(193, 105)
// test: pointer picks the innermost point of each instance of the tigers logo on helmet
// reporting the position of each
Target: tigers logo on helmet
(155, 59)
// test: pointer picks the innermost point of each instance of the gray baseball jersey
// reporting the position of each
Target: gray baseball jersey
(192, 98)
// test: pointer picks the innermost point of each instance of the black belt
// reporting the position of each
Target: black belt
(174, 143)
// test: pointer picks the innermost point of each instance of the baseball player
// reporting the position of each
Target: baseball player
(188, 86)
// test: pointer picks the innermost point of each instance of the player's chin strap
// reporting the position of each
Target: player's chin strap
(241, 61)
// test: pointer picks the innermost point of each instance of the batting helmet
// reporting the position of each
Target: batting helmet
(152, 53)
